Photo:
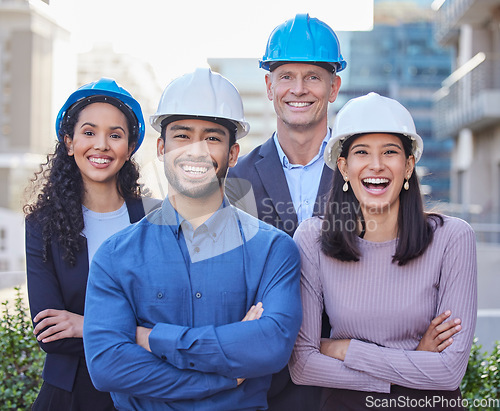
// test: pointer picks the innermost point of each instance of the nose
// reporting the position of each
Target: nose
(101, 142)
(298, 87)
(377, 163)
(198, 149)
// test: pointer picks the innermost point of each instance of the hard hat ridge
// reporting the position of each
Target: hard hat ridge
(303, 39)
(204, 94)
(370, 114)
(108, 91)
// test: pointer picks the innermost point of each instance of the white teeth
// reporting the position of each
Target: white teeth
(196, 170)
(100, 160)
(375, 180)
(299, 104)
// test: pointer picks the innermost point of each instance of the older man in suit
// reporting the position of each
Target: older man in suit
(286, 177)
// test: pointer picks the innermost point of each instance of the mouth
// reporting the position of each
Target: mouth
(194, 170)
(376, 184)
(100, 161)
(299, 104)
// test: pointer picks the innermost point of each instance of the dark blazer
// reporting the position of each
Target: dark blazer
(258, 185)
(56, 284)
(261, 171)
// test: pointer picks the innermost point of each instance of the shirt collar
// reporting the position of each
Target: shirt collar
(284, 159)
(214, 225)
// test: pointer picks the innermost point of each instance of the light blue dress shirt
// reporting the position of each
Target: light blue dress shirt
(303, 181)
(199, 345)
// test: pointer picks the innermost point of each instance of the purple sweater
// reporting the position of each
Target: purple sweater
(385, 309)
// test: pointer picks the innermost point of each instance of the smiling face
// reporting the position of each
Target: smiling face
(376, 167)
(100, 143)
(300, 93)
(196, 157)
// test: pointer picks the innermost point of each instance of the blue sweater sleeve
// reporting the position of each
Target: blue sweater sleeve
(243, 349)
(116, 363)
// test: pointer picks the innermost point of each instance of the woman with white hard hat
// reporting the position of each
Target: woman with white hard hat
(86, 191)
(384, 270)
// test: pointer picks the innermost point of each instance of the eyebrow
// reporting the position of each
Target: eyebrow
(385, 145)
(94, 125)
(307, 73)
(216, 130)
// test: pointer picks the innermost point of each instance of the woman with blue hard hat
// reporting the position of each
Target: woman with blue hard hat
(86, 191)
(389, 275)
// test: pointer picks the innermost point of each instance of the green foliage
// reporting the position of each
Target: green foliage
(21, 359)
(21, 364)
(481, 383)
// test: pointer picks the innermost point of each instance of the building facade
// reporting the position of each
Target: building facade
(468, 107)
(34, 51)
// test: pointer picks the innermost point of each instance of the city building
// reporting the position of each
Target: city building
(467, 109)
(34, 51)
(248, 78)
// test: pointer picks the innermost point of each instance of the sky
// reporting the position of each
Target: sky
(178, 36)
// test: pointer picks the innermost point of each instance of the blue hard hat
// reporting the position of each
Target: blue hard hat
(303, 39)
(105, 90)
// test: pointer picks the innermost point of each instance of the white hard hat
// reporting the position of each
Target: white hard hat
(371, 113)
(202, 94)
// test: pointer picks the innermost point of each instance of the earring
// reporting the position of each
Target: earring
(406, 185)
(345, 187)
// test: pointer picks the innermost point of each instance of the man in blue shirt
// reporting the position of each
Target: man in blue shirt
(302, 59)
(198, 304)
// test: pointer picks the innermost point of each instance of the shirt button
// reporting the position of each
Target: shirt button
(197, 249)
(198, 295)
(307, 201)
(159, 295)
(163, 357)
(214, 235)
(191, 364)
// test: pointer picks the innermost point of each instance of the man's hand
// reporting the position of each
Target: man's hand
(59, 324)
(142, 337)
(439, 334)
(334, 348)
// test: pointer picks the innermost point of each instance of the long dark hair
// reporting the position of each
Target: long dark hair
(343, 214)
(58, 186)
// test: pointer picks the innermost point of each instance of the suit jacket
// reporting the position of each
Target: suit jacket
(261, 171)
(56, 284)
(258, 185)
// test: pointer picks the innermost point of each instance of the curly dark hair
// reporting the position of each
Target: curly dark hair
(59, 189)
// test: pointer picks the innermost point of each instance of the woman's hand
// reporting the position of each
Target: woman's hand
(439, 334)
(57, 324)
(334, 348)
(254, 313)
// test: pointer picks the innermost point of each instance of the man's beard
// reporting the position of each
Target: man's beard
(202, 189)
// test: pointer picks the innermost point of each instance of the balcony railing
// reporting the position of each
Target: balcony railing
(470, 97)
(447, 19)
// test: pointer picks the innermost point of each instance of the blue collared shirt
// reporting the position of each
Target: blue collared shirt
(199, 345)
(303, 181)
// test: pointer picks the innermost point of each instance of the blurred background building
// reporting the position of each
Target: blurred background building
(468, 109)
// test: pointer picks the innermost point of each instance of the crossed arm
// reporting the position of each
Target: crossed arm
(439, 360)
(183, 362)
